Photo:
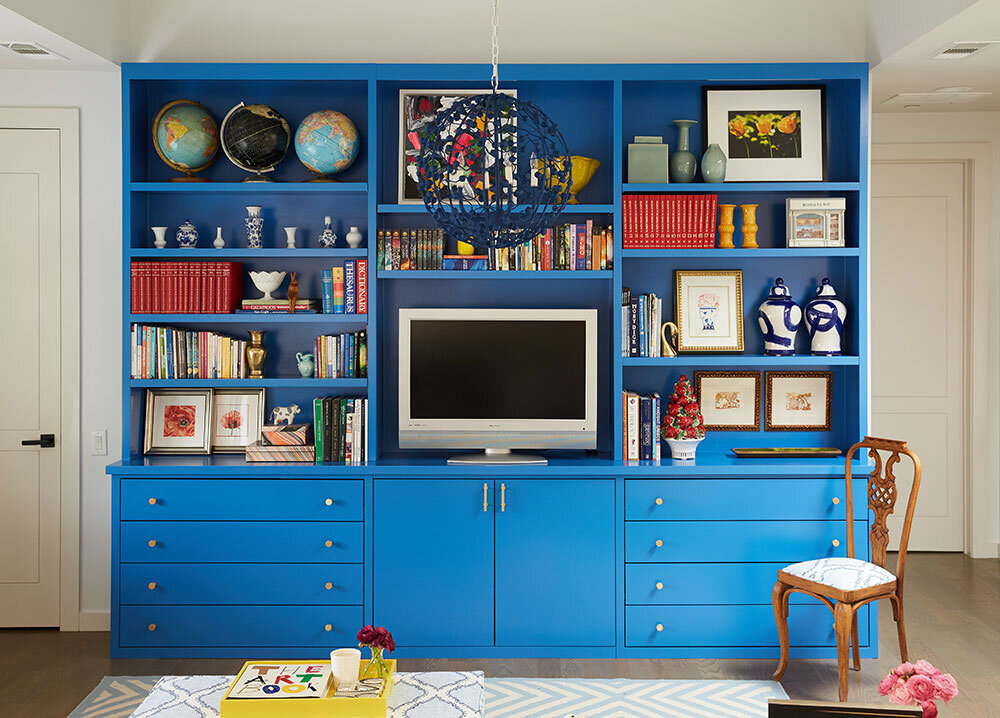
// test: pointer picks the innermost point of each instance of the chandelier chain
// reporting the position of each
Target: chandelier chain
(495, 50)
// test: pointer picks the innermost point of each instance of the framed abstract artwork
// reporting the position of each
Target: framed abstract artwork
(709, 310)
(799, 401)
(729, 400)
(417, 110)
(768, 134)
(237, 419)
(177, 421)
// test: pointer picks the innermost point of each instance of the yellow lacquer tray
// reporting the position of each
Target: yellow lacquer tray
(325, 707)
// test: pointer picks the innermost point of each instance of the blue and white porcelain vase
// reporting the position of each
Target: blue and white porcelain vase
(779, 317)
(255, 226)
(825, 316)
(187, 235)
(327, 238)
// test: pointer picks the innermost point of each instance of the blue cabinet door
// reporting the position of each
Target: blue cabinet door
(433, 561)
(555, 559)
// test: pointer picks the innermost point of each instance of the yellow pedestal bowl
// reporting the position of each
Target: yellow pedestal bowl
(582, 169)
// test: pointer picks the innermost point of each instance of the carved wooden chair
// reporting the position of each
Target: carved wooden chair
(847, 584)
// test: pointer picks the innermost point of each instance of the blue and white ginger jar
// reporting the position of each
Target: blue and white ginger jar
(825, 316)
(779, 318)
(327, 238)
(187, 235)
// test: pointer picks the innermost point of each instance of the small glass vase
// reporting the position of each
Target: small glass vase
(376, 667)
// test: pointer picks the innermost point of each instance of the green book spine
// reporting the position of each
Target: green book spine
(318, 427)
(329, 428)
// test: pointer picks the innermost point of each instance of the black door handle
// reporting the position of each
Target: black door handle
(46, 441)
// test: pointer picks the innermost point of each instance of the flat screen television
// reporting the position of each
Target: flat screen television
(498, 379)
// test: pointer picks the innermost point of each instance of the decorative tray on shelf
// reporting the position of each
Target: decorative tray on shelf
(792, 452)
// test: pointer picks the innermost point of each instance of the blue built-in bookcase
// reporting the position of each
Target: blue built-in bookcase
(589, 556)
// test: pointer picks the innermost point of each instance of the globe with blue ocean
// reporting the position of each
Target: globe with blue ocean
(326, 142)
(186, 136)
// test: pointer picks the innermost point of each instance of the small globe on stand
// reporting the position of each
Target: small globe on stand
(326, 142)
(255, 138)
(186, 138)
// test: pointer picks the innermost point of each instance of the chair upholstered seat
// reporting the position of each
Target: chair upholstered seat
(842, 574)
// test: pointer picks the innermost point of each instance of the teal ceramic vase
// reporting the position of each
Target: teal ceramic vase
(713, 164)
(683, 164)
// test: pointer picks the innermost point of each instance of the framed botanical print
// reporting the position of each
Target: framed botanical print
(729, 400)
(177, 421)
(799, 401)
(238, 416)
(417, 110)
(768, 134)
(709, 310)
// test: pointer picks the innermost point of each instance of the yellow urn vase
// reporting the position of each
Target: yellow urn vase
(726, 226)
(749, 226)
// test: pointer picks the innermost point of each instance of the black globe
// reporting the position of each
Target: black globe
(255, 137)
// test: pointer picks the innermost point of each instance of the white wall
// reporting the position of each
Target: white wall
(944, 127)
(98, 95)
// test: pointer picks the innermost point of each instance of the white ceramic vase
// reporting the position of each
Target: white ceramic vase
(825, 316)
(683, 449)
(160, 237)
(353, 238)
(290, 237)
(219, 242)
(778, 318)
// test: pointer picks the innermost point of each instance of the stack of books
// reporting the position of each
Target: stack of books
(668, 221)
(410, 249)
(345, 289)
(642, 315)
(282, 443)
(341, 429)
(186, 287)
(165, 353)
(641, 426)
(341, 356)
(276, 306)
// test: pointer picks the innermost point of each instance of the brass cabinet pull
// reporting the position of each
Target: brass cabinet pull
(503, 497)
(659, 585)
(151, 585)
(151, 626)
(659, 501)
(836, 542)
(328, 628)
(152, 501)
(328, 502)
(659, 627)
(151, 543)
(328, 543)
(659, 543)
(486, 503)
(329, 586)
(836, 500)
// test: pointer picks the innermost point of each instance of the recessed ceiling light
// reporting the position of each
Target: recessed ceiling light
(32, 50)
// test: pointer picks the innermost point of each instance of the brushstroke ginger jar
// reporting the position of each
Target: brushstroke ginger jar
(779, 318)
(825, 316)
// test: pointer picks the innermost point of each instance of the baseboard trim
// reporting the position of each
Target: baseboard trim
(95, 620)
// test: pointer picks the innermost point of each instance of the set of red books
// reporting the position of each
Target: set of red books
(668, 221)
(186, 287)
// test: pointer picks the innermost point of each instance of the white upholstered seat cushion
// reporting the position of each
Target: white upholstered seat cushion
(844, 574)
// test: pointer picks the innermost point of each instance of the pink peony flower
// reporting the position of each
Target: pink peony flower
(904, 669)
(925, 668)
(921, 688)
(885, 687)
(900, 694)
(930, 709)
(946, 686)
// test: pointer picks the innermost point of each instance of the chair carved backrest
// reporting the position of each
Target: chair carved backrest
(882, 495)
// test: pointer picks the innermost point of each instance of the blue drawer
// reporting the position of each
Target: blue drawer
(741, 499)
(235, 541)
(702, 583)
(714, 626)
(250, 626)
(736, 541)
(242, 583)
(241, 500)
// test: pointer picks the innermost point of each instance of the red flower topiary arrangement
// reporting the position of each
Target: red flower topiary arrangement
(683, 419)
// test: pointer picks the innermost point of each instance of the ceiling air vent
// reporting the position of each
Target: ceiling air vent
(31, 49)
(962, 50)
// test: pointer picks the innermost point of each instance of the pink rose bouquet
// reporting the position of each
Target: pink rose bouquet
(919, 684)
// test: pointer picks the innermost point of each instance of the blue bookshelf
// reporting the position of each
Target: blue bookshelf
(599, 108)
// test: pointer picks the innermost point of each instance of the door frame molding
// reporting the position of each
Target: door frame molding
(67, 121)
(982, 387)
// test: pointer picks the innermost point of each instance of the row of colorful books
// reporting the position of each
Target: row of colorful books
(667, 221)
(340, 428)
(166, 353)
(341, 356)
(345, 289)
(642, 317)
(410, 249)
(641, 426)
(186, 287)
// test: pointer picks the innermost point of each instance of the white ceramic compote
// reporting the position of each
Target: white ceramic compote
(267, 282)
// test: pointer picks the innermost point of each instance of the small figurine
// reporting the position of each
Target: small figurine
(284, 414)
(293, 292)
(667, 346)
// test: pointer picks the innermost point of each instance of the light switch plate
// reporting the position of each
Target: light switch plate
(99, 443)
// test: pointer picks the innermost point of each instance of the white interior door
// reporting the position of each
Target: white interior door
(918, 295)
(29, 376)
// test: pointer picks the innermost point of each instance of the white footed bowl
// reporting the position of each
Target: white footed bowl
(267, 282)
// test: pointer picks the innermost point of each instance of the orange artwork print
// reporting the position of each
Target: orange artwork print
(178, 420)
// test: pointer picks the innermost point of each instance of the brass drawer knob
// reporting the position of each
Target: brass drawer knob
(328, 502)
(152, 501)
(659, 585)
(328, 628)
(328, 543)
(151, 585)
(659, 543)
(836, 542)
(151, 627)
(328, 586)
(659, 627)
(836, 500)
(659, 501)
(151, 543)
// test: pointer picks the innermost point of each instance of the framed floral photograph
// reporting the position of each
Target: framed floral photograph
(417, 110)
(709, 310)
(729, 400)
(177, 421)
(799, 401)
(768, 134)
(237, 419)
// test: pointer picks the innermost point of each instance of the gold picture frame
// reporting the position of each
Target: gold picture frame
(708, 306)
(728, 404)
(177, 421)
(801, 410)
(237, 419)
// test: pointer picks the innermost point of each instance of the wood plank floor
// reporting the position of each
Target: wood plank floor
(952, 616)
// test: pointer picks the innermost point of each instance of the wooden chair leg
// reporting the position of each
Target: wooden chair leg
(897, 610)
(843, 614)
(855, 648)
(779, 599)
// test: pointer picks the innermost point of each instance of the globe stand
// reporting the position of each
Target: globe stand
(321, 178)
(190, 177)
(258, 177)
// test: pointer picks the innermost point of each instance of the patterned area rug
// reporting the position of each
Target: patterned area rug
(418, 696)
